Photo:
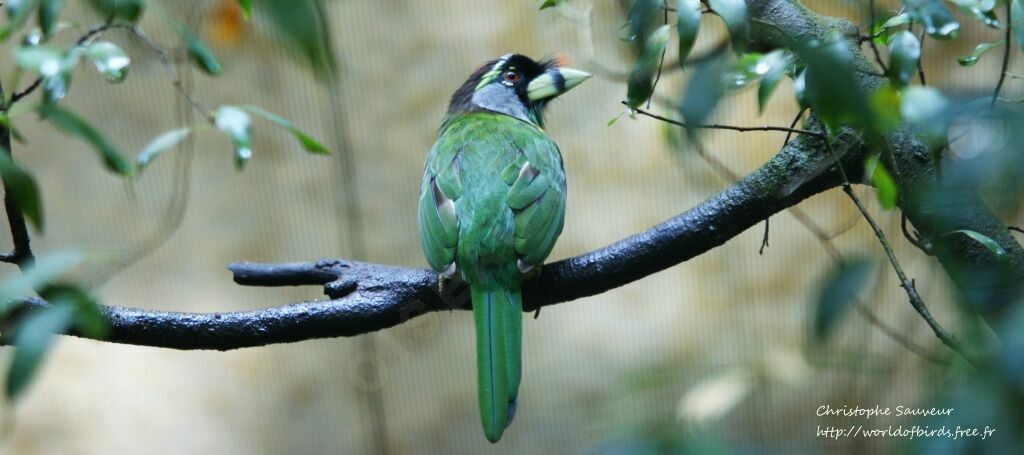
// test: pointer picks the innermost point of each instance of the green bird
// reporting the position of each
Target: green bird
(491, 205)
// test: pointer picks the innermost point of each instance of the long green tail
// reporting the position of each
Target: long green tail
(499, 362)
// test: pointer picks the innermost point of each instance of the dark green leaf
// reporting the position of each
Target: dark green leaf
(687, 26)
(641, 21)
(198, 52)
(301, 23)
(109, 59)
(831, 86)
(238, 126)
(246, 7)
(734, 13)
(641, 79)
(938, 21)
(904, 53)
(48, 12)
(838, 294)
(161, 144)
(985, 241)
(885, 185)
(74, 125)
(979, 50)
(32, 340)
(776, 68)
(23, 189)
(307, 142)
(702, 94)
(1017, 21)
(129, 10)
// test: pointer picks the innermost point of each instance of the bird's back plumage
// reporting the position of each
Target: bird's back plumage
(492, 203)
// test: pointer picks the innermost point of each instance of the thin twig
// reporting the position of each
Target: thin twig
(165, 60)
(871, 39)
(920, 66)
(742, 129)
(661, 63)
(908, 285)
(1006, 56)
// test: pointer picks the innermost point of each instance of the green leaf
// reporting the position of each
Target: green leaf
(982, 10)
(687, 26)
(17, 12)
(74, 125)
(23, 189)
(831, 86)
(885, 185)
(776, 68)
(1017, 21)
(925, 109)
(979, 50)
(551, 3)
(109, 59)
(201, 55)
(129, 10)
(302, 24)
(744, 71)
(31, 342)
(48, 11)
(641, 21)
(307, 142)
(52, 65)
(734, 14)
(881, 29)
(89, 318)
(885, 104)
(904, 53)
(44, 270)
(800, 89)
(161, 144)
(703, 92)
(938, 21)
(838, 294)
(246, 7)
(238, 126)
(641, 80)
(985, 241)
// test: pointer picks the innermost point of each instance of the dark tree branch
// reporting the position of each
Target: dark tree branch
(21, 253)
(367, 297)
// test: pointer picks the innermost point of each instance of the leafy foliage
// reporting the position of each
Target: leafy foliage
(838, 294)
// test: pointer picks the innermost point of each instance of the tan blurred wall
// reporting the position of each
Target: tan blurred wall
(607, 366)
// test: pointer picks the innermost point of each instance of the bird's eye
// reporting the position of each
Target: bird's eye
(511, 76)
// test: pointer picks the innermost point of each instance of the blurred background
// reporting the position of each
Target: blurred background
(714, 349)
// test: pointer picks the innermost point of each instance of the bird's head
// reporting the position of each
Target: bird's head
(515, 85)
